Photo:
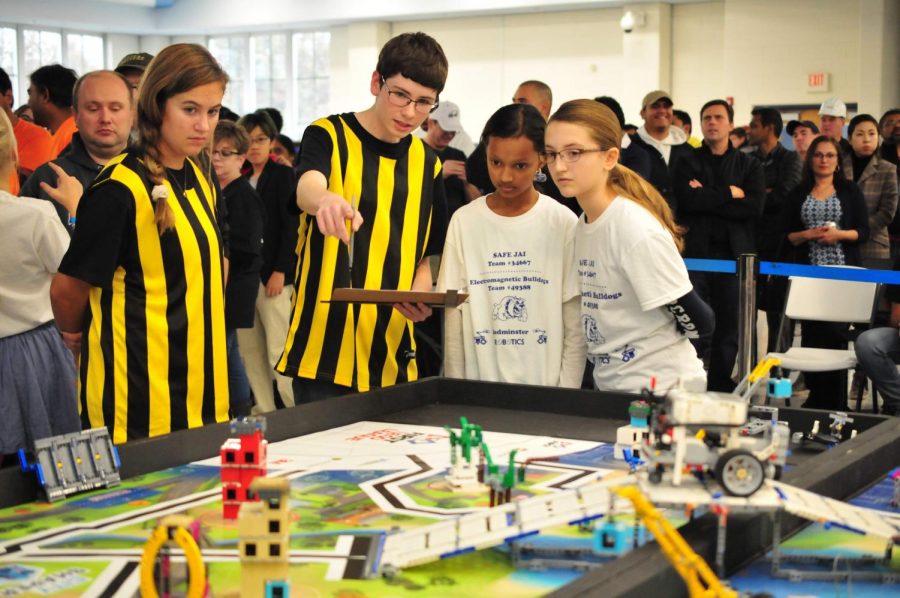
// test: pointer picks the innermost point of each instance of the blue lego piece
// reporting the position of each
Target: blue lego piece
(615, 537)
(779, 388)
(632, 461)
(277, 589)
(453, 553)
(519, 536)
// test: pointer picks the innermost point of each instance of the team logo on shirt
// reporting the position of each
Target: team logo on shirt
(511, 308)
(480, 337)
(591, 332)
(541, 336)
(601, 359)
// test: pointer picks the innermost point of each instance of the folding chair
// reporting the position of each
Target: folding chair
(828, 301)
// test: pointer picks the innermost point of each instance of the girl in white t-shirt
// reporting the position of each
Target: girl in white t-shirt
(38, 381)
(512, 251)
(638, 307)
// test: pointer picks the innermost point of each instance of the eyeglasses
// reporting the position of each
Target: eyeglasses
(568, 155)
(401, 100)
(824, 155)
(225, 153)
(259, 140)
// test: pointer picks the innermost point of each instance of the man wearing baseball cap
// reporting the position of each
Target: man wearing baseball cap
(833, 113)
(664, 142)
(132, 66)
(441, 127)
(802, 132)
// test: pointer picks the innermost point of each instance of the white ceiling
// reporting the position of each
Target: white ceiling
(168, 17)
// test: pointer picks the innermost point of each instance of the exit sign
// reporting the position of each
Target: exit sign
(818, 81)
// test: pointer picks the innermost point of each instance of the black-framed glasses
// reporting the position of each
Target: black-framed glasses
(824, 155)
(567, 155)
(225, 153)
(402, 100)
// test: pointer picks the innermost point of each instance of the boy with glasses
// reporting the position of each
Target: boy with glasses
(366, 183)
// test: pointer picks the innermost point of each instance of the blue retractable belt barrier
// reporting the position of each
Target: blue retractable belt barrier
(780, 269)
(722, 266)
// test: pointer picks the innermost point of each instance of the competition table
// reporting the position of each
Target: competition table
(577, 414)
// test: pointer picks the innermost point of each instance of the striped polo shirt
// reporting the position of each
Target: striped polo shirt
(153, 349)
(400, 194)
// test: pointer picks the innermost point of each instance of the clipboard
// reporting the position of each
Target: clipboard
(433, 299)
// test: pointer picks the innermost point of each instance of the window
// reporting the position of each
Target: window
(231, 52)
(41, 48)
(9, 60)
(270, 75)
(84, 53)
(311, 77)
(24, 50)
(282, 70)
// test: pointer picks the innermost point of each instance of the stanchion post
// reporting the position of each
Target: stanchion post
(746, 270)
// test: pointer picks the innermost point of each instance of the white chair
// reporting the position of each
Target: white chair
(828, 301)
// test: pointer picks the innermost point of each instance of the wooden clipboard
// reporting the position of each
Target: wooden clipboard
(387, 297)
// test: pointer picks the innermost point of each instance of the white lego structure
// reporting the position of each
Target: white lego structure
(464, 469)
(701, 431)
(632, 436)
(463, 474)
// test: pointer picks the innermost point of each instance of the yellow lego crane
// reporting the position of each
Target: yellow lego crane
(699, 578)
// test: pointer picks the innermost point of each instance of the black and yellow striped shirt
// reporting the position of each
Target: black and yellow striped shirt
(400, 195)
(153, 350)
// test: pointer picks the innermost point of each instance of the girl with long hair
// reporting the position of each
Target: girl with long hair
(638, 307)
(139, 294)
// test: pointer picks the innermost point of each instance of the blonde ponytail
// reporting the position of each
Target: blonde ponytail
(630, 185)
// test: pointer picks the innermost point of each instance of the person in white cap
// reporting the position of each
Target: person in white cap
(833, 114)
(441, 127)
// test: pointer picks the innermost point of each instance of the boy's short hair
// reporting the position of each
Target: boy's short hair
(260, 119)
(227, 130)
(59, 82)
(416, 56)
(683, 116)
(5, 83)
(276, 116)
(769, 116)
(728, 108)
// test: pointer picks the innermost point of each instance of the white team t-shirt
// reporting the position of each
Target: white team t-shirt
(518, 272)
(629, 270)
(32, 243)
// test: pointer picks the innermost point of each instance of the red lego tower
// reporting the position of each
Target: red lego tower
(243, 460)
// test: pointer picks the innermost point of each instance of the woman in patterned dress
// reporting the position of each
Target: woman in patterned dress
(829, 222)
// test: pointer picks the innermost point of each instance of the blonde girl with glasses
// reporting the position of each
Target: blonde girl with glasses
(512, 251)
(638, 308)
